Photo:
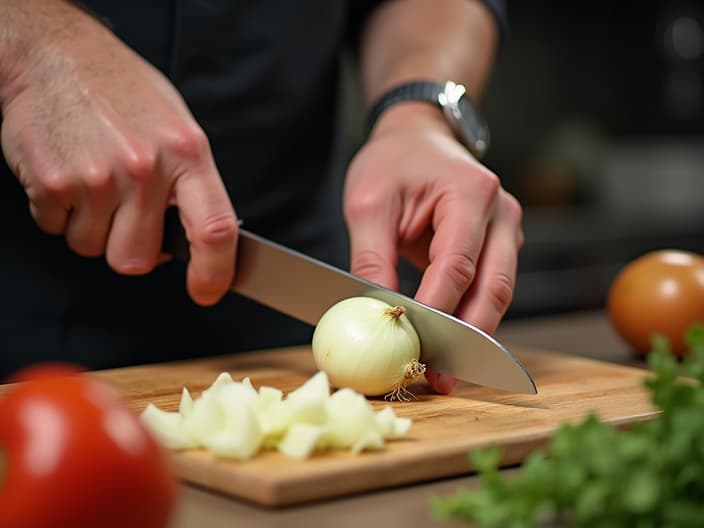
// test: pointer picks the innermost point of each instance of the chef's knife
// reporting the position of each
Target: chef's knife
(304, 288)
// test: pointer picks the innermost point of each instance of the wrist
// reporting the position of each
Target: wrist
(411, 115)
(440, 104)
(14, 55)
(31, 31)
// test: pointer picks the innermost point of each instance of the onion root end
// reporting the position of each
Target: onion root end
(414, 370)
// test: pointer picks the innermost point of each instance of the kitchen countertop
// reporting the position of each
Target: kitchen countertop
(584, 333)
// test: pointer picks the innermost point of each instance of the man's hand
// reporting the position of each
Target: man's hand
(102, 144)
(414, 191)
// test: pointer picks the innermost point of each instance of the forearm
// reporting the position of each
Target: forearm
(427, 39)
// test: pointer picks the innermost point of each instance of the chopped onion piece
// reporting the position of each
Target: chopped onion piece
(168, 428)
(300, 440)
(369, 440)
(349, 417)
(241, 436)
(234, 420)
(185, 407)
(306, 404)
(392, 426)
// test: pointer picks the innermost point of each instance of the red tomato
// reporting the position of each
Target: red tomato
(659, 292)
(74, 456)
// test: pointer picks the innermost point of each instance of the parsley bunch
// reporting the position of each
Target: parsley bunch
(595, 475)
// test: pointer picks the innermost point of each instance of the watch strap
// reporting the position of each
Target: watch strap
(427, 91)
(451, 99)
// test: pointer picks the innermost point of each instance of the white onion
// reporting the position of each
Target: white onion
(369, 346)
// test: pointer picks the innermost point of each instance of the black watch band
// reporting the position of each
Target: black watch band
(451, 98)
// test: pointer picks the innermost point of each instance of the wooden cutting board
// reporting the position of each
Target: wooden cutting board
(445, 428)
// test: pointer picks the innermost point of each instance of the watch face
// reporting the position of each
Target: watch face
(452, 98)
(473, 127)
(467, 124)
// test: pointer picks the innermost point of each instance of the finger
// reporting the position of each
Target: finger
(440, 383)
(51, 219)
(454, 250)
(51, 199)
(492, 292)
(134, 241)
(91, 218)
(211, 228)
(417, 251)
(373, 231)
(164, 258)
(87, 229)
(140, 191)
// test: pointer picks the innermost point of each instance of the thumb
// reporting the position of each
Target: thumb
(440, 383)
(374, 248)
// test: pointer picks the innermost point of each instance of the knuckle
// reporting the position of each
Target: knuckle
(473, 180)
(367, 263)
(479, 178)
(140, 166)
(501, 290)
(188, 142)
(96, 178)
(217, 229)
(461, 269)
(53, 183)
(490, 183)
(361, 206)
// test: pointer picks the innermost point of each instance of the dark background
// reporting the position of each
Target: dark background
(597, 116)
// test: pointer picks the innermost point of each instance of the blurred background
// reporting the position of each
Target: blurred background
(597, 116)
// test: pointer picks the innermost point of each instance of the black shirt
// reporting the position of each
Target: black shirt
(260, 77)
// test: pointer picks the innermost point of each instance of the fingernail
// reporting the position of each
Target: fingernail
(445, 384)
(134, 266)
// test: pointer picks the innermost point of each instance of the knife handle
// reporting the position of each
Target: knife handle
(175, 241)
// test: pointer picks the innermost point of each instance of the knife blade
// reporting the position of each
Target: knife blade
(304, 288)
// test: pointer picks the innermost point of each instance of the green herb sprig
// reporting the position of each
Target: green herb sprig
(595, 475)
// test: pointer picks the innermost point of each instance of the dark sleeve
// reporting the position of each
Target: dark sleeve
(359, 10)
(498, 9)
(357, 13)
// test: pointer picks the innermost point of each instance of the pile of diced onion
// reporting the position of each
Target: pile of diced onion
(234, 420)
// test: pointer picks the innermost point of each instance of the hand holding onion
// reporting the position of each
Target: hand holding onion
(414, 192)
(369, 346)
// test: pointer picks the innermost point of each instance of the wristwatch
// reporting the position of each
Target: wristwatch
(469, 127)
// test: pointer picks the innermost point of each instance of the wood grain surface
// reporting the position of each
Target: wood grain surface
(445, 428)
